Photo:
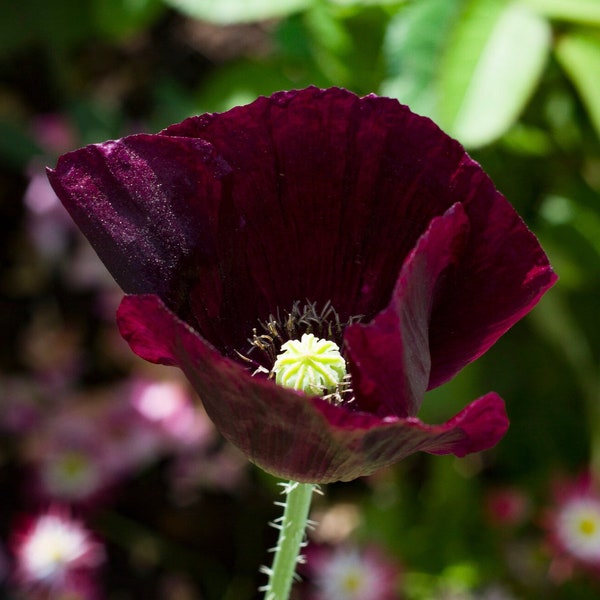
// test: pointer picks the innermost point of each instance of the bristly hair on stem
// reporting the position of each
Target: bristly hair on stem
(292, 538)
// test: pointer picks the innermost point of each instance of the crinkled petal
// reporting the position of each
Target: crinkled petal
(355, 182)
(288, 433)
(317, 195)
(148, 204)
(502, 275)
(389, 357)
(330, 194)
(326, 195)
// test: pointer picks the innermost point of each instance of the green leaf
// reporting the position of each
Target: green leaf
(366, 3)
(570, 231)
(579, 55)
(329, 42)
(579, 11)
(243, 81)
(527, 141)
(367, 30)
(491, 67)
(412, 47)
(238, 11)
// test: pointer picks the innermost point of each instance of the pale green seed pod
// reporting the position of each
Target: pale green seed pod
(312, 365)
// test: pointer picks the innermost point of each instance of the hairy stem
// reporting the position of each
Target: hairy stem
(291, 539)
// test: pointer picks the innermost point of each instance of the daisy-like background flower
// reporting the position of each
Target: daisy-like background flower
(351, 573)
(55, 554)
(574, 526)
(178, 511)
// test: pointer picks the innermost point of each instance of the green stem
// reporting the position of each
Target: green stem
(291, 536)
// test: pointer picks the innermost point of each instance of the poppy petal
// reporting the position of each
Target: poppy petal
(503, 274)
(297, 218)
(287, 433)
(389, 357)
(148, 206)
(220, 221)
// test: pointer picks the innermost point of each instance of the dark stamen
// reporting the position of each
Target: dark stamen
(291, 325)
(306, 318)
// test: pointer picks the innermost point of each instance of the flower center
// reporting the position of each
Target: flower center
(352, 583)
(300, 348)
(311, 365)
(587, 526)
(71, 474)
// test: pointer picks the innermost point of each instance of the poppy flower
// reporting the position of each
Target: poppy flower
(311, 212)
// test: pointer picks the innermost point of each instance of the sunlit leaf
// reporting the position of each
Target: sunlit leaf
(527, 141)
(329, 42)
(241, 82)
(412, 48)
(579, 55)
(238, 11)
(581, 11)
(367, 30)
(363, 3)
(571, 235)
(492, 65)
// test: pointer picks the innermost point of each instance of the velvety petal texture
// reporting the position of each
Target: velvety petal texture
(221, 221)
(286, 432)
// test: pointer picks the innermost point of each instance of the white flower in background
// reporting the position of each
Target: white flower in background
(52, 548)
(578, 528)
(347, 573)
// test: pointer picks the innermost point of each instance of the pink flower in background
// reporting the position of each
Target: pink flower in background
(507, 506)
(54, 133)
(70, 457)
(85, 446)
(167, 406)
(48, 222)
(348, 573)
(74, 473)
(138, 429)
(53, 551)
(130, 443)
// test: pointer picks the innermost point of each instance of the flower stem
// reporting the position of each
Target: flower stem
(291, 539)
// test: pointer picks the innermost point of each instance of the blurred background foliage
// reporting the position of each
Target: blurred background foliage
(516, 81)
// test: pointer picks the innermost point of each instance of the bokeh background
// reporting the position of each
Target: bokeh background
(124, 447)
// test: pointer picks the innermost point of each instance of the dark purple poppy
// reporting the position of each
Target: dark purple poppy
(311, 210)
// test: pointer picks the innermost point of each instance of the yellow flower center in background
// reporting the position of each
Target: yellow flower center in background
(352, 582)
(587, 526)
(578, 528)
